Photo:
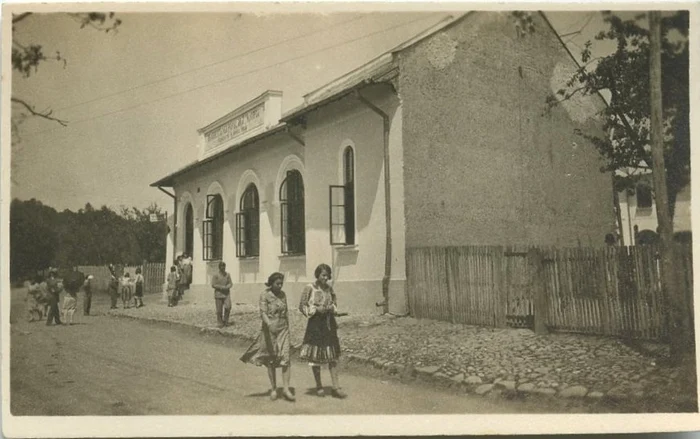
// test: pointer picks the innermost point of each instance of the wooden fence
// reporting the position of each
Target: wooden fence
(611, 291)
(153, 275)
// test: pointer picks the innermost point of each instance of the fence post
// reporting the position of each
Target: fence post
(501, 299)
(448, 280)
(539, 292)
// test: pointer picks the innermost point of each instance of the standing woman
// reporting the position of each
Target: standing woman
(271, 349)
(321, 345)
(138, 295)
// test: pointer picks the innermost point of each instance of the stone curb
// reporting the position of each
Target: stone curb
(432, 374)
(202, 329)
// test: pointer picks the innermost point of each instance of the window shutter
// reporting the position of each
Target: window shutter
(349, 201)
(253, 232)
(336, 214)
(240, 235)
(206, 243)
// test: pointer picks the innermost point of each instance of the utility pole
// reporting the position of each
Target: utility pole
(679, 326)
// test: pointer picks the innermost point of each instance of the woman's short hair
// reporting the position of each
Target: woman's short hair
(273, 278)
(323, 267)
(222, 264)
(138, 270)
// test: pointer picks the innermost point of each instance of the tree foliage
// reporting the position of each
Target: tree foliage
(41, 237)
(623, 75)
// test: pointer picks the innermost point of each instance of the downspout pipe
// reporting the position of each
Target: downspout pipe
(174, 219)
(387, 202)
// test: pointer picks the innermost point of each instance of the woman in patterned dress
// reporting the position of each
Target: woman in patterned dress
(271, 349)
(321, 345)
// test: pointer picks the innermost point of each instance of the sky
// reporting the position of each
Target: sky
(135, 99)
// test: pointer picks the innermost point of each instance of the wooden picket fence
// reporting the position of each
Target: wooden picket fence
(609, 291)
(153, 275)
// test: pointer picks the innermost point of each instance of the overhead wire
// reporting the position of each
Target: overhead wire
(333, 46)
(157, 81)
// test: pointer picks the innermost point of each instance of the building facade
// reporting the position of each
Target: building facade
(441, 141)
(638, 218)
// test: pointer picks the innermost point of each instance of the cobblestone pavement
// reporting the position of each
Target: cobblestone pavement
(480, 360)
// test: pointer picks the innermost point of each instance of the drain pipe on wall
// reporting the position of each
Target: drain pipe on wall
(387, 202)
(174, 221)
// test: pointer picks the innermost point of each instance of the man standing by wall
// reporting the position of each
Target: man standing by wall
(221, 282)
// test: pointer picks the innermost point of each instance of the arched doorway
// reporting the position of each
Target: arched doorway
(189, 229)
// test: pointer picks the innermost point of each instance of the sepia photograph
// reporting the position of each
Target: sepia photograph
(309, 212)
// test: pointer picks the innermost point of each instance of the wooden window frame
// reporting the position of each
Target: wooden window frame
(248, 226)
(348, 201)
(292, 221)
(213, 236)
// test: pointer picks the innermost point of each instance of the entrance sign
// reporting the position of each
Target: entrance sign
(236, 127)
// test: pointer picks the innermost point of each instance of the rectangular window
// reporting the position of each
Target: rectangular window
(247, 244)
(342, 215)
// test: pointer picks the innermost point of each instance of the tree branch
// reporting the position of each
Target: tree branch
(20, 17)
(91, 19)
(46, 115)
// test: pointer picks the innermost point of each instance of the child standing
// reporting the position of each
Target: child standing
(321, 345)
(172, 286)
(138, 295)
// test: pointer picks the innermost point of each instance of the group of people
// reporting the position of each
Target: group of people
(179, 279)
(43, 297)
(129, 289)
(272, 347)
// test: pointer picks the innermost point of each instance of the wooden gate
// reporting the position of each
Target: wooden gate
(153, 277)
(518, 286)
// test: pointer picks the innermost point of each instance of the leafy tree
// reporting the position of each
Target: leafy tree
(40, 236)
(624, 76)
(32, 240)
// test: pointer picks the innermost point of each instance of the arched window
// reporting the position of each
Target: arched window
(342, 203)
(189, 229)
(644, 198)
(292, 214)
(214, 228)
(248, 224)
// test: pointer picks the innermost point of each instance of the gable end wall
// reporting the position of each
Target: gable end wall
(483, 163)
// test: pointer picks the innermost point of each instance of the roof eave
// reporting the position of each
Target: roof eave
(169, 180)
(302, 110)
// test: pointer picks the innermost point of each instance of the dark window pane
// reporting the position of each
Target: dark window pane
(644, 197)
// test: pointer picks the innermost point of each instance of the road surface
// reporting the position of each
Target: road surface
(114, 366)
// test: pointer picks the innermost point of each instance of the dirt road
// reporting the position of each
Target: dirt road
(112, 366)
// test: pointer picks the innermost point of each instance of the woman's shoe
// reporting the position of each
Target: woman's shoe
(338, 393)
(320, 392)
(273, 395)
(288, 395)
